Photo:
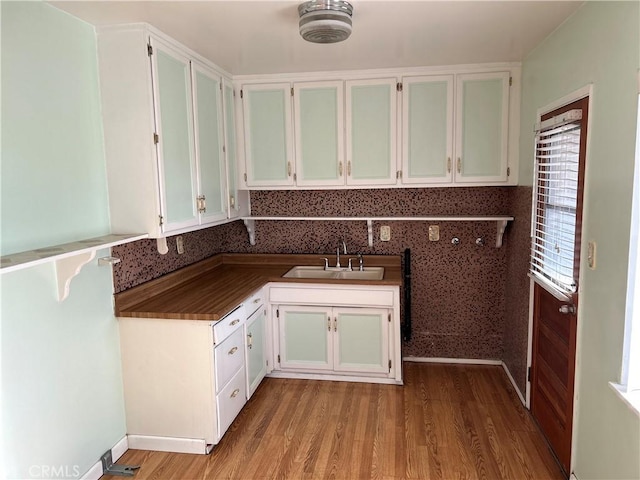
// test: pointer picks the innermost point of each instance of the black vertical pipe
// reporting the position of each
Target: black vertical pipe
(406, 327)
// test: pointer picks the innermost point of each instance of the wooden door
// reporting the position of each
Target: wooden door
(553, 369)
(560, 165)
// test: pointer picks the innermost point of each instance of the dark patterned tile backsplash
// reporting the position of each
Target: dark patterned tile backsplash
(458, 291)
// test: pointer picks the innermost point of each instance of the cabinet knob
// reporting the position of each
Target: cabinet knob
(233, 350)
(235, 322)
(235, 393)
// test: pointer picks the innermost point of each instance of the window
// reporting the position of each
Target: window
(557, 193)
(629, 388)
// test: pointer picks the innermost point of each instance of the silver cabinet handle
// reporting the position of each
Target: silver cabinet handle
(250, 340)
(340, 168)
(459, 165)
(448, 164)
(289, 169)
(235, 322)
(335, 324)
(329, 323)
(257, 300)
(233, 350)
(235, 393)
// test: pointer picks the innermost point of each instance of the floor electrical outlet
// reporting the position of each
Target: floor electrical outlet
(385, 233)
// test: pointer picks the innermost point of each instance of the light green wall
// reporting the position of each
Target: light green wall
(62, 400)
(599, 45)
(53, 177)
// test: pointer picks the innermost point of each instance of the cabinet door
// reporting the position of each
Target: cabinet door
(255, 348)
(230, 148)
(371, 132)
(209, 141)
(482, 117)
(361, 340)
(319, 128)
(267, 128)
(304, 338)
(427, 126)
(174, 124)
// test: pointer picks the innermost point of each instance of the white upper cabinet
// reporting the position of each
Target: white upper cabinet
(371, 132)
(319, 130)
(230, 149)
(164, 129)
(176, 152)
(482, 125)
(427, 129)
(212, 199)
(268, 135)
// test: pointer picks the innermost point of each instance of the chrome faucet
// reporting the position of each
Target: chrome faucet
(344, 248)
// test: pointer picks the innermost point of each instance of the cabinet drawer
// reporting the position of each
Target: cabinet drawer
(228, 358)
(230, 401)
(254, 302)
(227, 325)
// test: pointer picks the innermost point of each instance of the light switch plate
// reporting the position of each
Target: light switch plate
(591, 255)
(434, 233)
(385, 233)
(179, 244)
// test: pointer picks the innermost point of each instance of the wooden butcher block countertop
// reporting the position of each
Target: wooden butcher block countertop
(211, 288)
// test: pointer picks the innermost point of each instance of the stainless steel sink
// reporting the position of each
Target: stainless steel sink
(303, 271)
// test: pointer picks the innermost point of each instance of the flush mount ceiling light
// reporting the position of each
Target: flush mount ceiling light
(325, 21)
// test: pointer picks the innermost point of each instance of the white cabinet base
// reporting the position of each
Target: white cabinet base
(336, 378)
(169, 444)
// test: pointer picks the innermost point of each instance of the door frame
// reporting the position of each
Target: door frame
(586, 91)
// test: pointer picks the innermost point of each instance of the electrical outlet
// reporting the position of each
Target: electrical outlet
(385, 233)
(434, 233)
(180, 244)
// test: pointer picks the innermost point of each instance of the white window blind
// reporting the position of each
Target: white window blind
(557, 162)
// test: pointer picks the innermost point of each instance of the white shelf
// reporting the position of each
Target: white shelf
(69, 257)
(501, 222)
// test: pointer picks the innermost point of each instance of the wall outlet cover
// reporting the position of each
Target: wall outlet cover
(434, 233)
(385, 233)
(180, 244)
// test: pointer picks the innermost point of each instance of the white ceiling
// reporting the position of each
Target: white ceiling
(247, 37)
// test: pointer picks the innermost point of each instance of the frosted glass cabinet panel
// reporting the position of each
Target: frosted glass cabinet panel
(209, 142)
(255, 335)
(371, 131)
(318, 121)
(482, 126)
(231, 149)
(175, 147)
(305, 338)
(427, 127)
(268, 134)
(361, 340)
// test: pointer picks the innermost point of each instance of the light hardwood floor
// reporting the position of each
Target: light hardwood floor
(447, 422)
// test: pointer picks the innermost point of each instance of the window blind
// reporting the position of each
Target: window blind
(555, 200)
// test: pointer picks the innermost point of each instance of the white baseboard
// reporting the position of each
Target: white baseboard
(513, 382)
(169, 444)
(334, 378)
(466, 361)
(95, 472)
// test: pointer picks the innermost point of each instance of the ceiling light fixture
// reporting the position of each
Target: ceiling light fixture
(325, 21)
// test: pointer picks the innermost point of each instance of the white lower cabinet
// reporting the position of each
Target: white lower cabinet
(336, 333)
(353, 340)
(256, 354)
(185, 381)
